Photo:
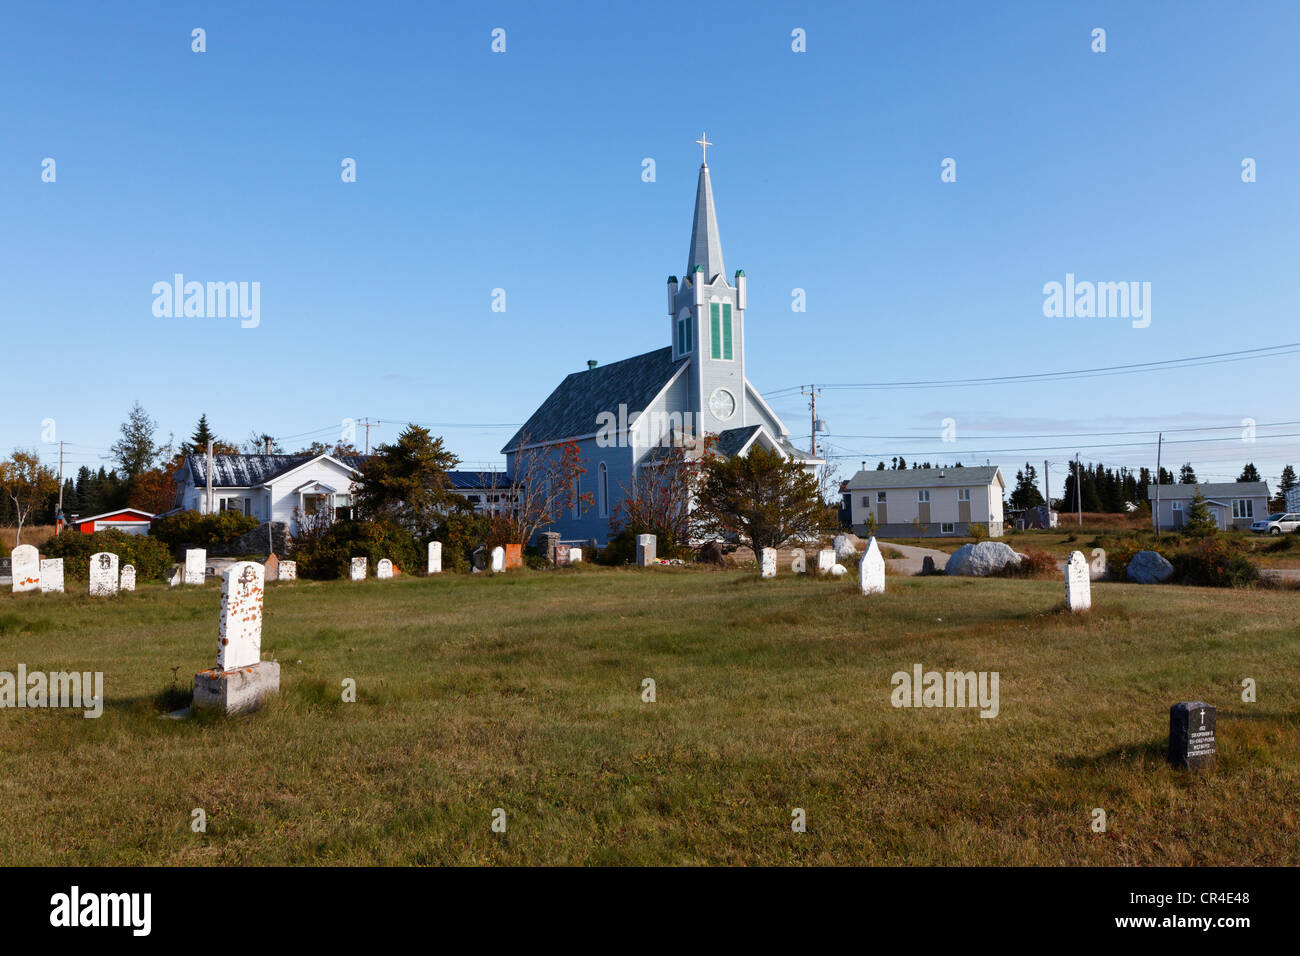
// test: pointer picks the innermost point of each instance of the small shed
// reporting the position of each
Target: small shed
(128, 520)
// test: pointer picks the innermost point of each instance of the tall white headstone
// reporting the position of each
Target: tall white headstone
(358, 569)
(128, 578)
(196, 565)
(435, 557)
(767, 567)
(52, 575)
(825, 561)
(26, 568)
(1078, 583)
(239, 642)
(498, 559)
(575, 556)
(646, 547)
(842, 547)
(103, 574)
(384, 569)
(798, 561)
(871, 569)
(288, 570)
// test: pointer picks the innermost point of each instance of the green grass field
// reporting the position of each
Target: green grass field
(524, 692)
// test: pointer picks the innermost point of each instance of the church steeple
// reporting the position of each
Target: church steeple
(706, 246)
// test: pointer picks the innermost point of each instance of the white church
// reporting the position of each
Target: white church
(619, 414)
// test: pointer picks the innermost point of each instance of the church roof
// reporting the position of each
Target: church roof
(571, 410)
(731, 441)
(706, 246)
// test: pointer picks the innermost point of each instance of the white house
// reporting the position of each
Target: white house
(927, 502)
(1234, 504)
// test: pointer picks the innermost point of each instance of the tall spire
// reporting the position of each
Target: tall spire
(706, 246)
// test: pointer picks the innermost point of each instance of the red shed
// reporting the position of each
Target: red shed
(129, 520)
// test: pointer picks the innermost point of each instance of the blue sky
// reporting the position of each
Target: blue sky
(522, 171)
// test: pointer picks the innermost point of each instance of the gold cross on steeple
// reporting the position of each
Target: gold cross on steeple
(704, 144)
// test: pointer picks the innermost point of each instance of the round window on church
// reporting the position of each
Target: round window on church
(722, 403)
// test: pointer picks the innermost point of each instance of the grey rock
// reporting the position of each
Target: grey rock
(984, 558)
(1149, 567)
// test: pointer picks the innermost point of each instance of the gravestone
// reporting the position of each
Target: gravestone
(288, 571)
(358, 569)
(241, 680)
(825, 560)
(478, 559)
(1078, 583)
(52, 575)
(871, 569)
(798, 561)
(549, 543)
(498, 559)
(927, 565)
(177, 576)
(196, 564)
(435, 557)
(838, 570)
(575, 556)
(127, 580)
(271, 567)
(103, 574)
(767, 567)
(26, 570)
(514, 556)
(562, 554)
(384, 569)
(1191, 734)
(646, 545)
(842, 547)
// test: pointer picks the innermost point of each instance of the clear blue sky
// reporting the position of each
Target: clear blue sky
(522, 171)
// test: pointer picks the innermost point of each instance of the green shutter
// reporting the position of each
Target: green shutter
(686, 325)
(726, 330)
(681, 337)
(715, 346)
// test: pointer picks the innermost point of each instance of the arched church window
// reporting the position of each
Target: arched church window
(602, 489)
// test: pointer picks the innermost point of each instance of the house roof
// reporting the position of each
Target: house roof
(145, 515)
(924, 478)
(1225, 489)
(248, 471)
(571, 410)
(480, 479)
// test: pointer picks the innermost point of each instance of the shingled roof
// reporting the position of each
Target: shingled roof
(249, 471)
(1227, 489)
(731, 441)
(571, 410)
(922, 477)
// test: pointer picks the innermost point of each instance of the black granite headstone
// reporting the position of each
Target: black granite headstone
(1191, 735)
(927, 565)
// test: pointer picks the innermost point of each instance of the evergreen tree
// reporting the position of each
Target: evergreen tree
(136, 450)
(1187, 475)
(1200, 523)
(202, 435)
(1249, 473)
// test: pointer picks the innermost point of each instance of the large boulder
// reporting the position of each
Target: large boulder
(984, 558)
(1149, 567)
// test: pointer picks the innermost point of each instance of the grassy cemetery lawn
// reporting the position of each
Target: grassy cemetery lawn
(524, 692)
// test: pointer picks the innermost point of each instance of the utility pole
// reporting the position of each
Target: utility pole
(1047, 491)
(368, 425)
(1160, 440)
(61, 522)
(812, 391)
(209, 471)
(1078, 488)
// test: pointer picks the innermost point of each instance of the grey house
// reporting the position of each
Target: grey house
(927, 502)
(1234, 504)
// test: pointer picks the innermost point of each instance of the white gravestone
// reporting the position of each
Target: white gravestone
(825, 560)
(358, 569)
(178, 576)
(384, 569)
(768, 564)
(1078, 584)
(52, 575)
(842, 547)
(196, 564)
(838, 570)
(575, 556)
(103, 574)
(128, 578)
(288, 571)
(241, 680)
(26, 568)
(871, 570)
(798, 561)
(435, 557)
(646, 546)
(498, 559)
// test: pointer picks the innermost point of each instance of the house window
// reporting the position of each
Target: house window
(720, 327)
(1178, 506)
(1243, 507)
(963, 494)
(866, 501)
(343, 507)
(946, 527)
(603, 489)
(923, 496)
(880, 497)
(243, 506)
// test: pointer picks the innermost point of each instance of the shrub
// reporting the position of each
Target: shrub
(978, 531)
(1213, 563)
(1034, 564)
(460, 533)
(208, 531)
(328, 554)
(150, 556)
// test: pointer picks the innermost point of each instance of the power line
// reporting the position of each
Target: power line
(1139, 431)
(1035, 448)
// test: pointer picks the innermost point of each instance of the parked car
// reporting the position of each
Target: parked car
(1280, 523)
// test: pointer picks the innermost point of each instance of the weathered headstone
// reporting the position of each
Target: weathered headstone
(435, 557)
(825, 560)
(561, 555)
(549, 541)
(842, 547)
(514, 556)
(196, 565)
(52, 576)
(871, 569)
(1191, 734)
(767, 563)
(384, 569)
(1078, 583)
(646, 545)
(498, 559)
(927, 565)
(575, 556)
(127, 581)
(838, 570)
(177, 576)
(478, 559)
(288, 571)
(358, 569)
(241, 680)
(798, 561)
(26, 568)
(103, 574)
(272, 567)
